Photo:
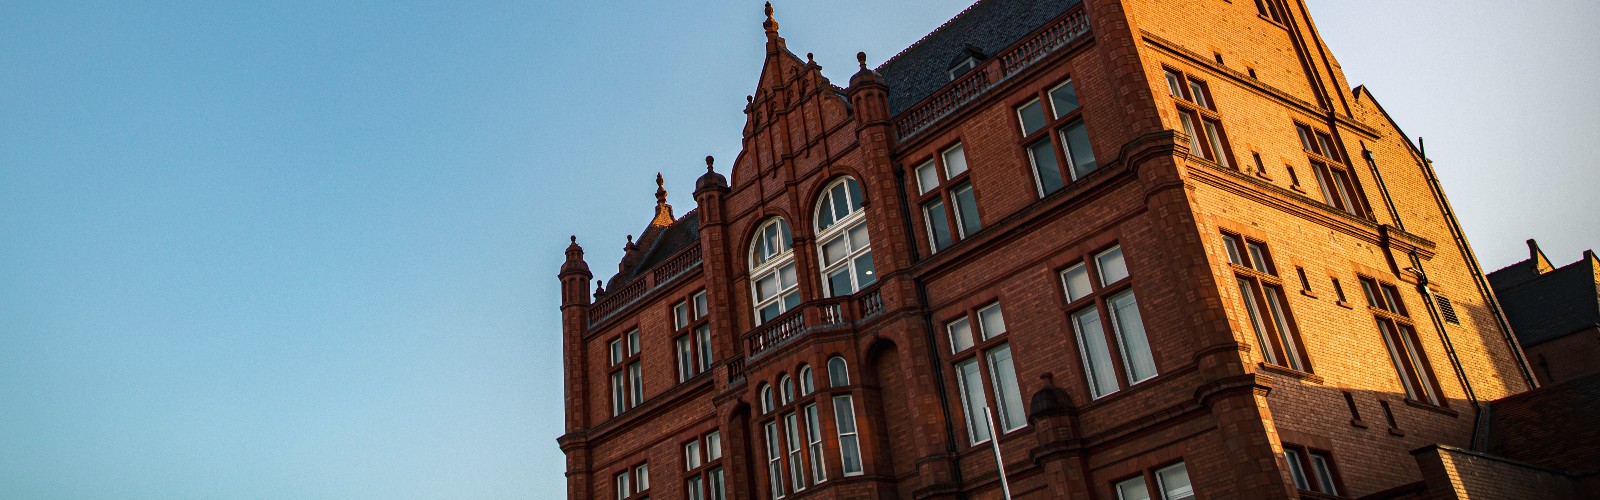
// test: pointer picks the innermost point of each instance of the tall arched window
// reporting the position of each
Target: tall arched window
(772, 275)
(806, 385)
(766, 399)
(846, 252)
(838, 373)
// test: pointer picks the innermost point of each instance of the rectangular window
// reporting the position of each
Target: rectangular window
(686, 367)
(700, 308)
(619, 394)
(1046, 170)
(814, 443)
(992, 320)
(1197, 113)
(1174, 481)
(693, 489)
(636, 384)
(928, 177)
(716, 486)
(1133, 489)
(1261, 292)
(624, 485)
(844, 415)
(691, 455)
(966, 209)
(971, 383)
(1080, 155)
(1335, 180)
(938, 225)
(1400, 338)
(960, 335)
(955, 162)
(641, 477)
(703, 337)
(1008, 396)
(774, 461)
(1070, 138)
(1093, 333)
(1312, 470)
(680, 316)
(791, 434)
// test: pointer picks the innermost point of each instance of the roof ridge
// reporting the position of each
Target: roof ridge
(930, 34)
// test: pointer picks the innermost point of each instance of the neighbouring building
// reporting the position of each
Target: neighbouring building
(1555, 312)
(1142, 248)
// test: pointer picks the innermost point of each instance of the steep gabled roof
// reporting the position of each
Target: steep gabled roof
(663, 244)
(1545, 305)
(989, 25)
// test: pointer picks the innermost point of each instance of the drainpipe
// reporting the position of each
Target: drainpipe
(931, 336)
(1477, 271)
(1421, 274)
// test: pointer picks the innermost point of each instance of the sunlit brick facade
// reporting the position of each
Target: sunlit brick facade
(1162, 242)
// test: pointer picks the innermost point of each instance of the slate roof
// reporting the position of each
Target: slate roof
(1545, 306)
(683, 233)
(989, 25)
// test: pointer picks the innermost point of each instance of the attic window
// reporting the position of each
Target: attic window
(963, 67)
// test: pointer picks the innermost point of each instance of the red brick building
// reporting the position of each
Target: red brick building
(1162, 243)
(1555, 312)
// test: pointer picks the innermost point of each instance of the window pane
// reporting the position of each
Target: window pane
(1198, 91)
(623, 489)
(1231, 244)
(1032, 116)
(1077, 282)
(616, 352)
(864, 272)
(1346, 191)
(680, 316)
(1324, 474)
(966, 209)
(1174, 85)
(1064, 99)
(1112, 267)
(769, 312)
(791, 300)
(1280, 321)
(992, 321)
(1398, 359)
(643, 473)
(703, 336)
(972, 399)
(700, 309)
(1130, 332)
(695, 492)
(960, 335)
(633, 342)
(1295, 470)
(1247, 293)
(1419, 367)
(1045, 168)
(618, 394)
(714, 446)
(691, 455)
(766, 398)
(685, 358)
(855, 194)
(1322, 181)
(839, 282)
(841, 201)
(814, 443)
(1096, 354)
(1305, 139)
(774, 461)
(1004, 374)
(927, 178)
(938, 225)
(1214, 138)
(844, 415)
(1258, 258)
(1391, 298)
(1326, 144)
(1175, 482)
(955, 162)
(1079, 153)
(1194, 139)
(858, 237)
(1133, 489)
(786, 389)
(838, 373)
(791, 433)
(786, 277)
(636, 383)
(715, 485)
(807, 385)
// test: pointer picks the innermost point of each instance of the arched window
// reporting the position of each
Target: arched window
(806, 385)
(766, 398)
(838, 374)
(772, 275)
(846, 252)
(786, 389)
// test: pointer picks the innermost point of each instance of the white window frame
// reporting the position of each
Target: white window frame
(845, 228)
(762, 266)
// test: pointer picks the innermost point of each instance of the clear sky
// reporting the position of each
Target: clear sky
(307, 249)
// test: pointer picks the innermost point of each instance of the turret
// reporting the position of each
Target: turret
(575, 277)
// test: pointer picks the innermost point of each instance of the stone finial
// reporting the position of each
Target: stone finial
(709, 161)
(861, 57)
(661, 189)
(771, 24)
(574, 239)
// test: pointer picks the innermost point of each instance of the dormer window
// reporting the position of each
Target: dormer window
(963, 67)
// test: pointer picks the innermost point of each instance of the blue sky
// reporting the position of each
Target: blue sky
(307, 249)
